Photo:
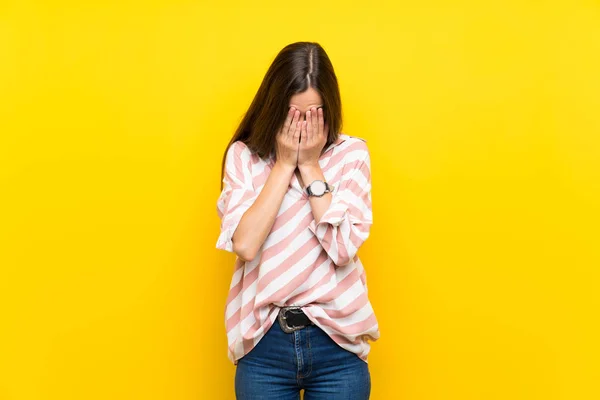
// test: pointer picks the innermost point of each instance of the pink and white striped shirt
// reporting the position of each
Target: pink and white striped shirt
(301, 263)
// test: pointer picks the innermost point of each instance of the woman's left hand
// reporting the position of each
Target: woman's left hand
(313, 136)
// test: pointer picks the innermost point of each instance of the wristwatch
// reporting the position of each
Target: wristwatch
(318, 188)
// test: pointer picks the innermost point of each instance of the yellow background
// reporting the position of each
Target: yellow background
(483, 121)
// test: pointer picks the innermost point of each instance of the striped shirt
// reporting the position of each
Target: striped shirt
(301, 263)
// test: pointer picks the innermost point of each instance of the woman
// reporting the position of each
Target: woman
(295, 208)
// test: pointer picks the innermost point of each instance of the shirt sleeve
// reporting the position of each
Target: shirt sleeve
(346, 224)
(238, 193)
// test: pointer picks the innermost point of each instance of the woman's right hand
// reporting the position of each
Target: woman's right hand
(288, 139)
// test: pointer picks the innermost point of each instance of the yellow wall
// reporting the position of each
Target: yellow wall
(483, 120)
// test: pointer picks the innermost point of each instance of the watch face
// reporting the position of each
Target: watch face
(317, 188)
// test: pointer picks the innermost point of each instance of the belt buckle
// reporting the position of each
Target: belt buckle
(283, 322)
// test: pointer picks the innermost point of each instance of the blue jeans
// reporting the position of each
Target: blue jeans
(283, 363)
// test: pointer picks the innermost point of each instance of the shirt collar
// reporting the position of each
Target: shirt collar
(341, 138)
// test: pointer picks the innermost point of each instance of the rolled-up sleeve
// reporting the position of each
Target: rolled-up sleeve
(346, 224)
(238, 193)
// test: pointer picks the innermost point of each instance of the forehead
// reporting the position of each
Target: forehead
(305, 100)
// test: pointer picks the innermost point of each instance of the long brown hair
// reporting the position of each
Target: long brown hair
(297, 67)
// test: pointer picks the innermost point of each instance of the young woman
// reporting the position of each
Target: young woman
(295, 208)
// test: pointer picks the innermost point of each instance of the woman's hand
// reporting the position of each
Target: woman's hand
(313, 138)
(288, 138)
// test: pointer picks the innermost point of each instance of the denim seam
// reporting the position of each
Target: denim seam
(298, 351)
(309, 351)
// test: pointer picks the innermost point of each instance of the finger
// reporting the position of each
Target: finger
(302, 134)
(297, 131)
(293, 127)
(314, 120)
(309, 127)
(320, 121)
(288, 119)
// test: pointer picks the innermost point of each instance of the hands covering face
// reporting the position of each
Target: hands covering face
(306, 138)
